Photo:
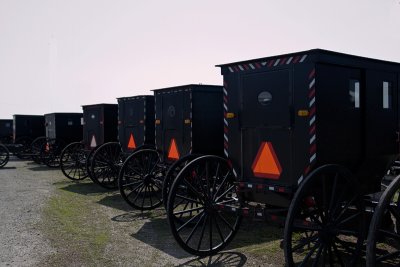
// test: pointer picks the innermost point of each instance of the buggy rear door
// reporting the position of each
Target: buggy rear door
(265, 120)
(92, 127)
(175, 108)
(133, 124)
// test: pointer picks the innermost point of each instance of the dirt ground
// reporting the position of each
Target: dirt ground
(48, 220)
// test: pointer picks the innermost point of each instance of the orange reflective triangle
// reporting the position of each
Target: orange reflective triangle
(93, 142)
(266, 163)
(173, 152)
(131, 143)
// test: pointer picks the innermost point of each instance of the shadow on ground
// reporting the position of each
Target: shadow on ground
(83, 188)
(115, 201)
(230, 259)
(41, 168)
(8, 168)
(251, 233)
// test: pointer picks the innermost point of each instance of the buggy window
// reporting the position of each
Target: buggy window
(387, 95)
(354, 93)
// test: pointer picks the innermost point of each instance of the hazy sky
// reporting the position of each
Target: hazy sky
(56, 55)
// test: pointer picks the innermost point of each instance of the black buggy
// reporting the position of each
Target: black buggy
(183, 128)
(5, 138)
(308, 138)
(99, 127)
(61, 129)
(135, 132)
(28, 136)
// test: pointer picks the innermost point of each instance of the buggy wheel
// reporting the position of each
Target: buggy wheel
(197, 221)
(4, 155)
(73, 160)
(140, 180)
(105, 165)
(325, 223)
(36, 148)
(383, 244)
(24, 147)
(88, 163)
(51, 151)
(173, 172)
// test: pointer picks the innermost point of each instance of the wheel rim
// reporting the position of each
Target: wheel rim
(73, 161)
(325, 223)
(106, 164)
(140, 180)
(197, 221)
(383, 246)
(4, 156)
(36, 148)
(173, 172)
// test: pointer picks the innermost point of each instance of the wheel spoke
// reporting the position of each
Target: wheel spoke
(189, 221)
(195, 228)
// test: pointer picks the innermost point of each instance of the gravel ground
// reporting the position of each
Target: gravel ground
(48, 220)
(24, 189)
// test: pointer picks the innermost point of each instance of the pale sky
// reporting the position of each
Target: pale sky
(56, 55)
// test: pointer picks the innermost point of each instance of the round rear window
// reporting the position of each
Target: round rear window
(264, 98)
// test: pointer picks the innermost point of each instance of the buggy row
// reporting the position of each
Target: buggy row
(307, 140)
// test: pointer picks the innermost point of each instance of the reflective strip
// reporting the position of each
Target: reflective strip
(264, 63)
(290, 60)
(277, 62)
(300, 179)
(225, 107)
(271, 188)
(312, 83)
(226, 153)
(225, 92)
(312, 101)
(240, 67)
(231, 70)
(225, 121)
(312, 120)
(312, 139)
(313, 157)
(226, 137)
(252, 66)
(303, 58)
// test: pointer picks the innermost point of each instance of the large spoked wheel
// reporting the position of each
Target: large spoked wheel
(36, 148)
(197, 220)
(50, 152)
(23, 149)
(73, 161)
(383, 245)
(325, 223)
(140, 180)
(106, 163)
(4, 156)
(173, 172)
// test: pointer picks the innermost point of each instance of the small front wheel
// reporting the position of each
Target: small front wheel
(4, 155)
(73, 161)
(140, 180)
(105, 165)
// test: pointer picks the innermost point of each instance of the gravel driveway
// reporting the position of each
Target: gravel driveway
(48, 220)
(24, 189)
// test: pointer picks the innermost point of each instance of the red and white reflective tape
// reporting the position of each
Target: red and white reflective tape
(312, 124)
(269, 64)
(226, 129)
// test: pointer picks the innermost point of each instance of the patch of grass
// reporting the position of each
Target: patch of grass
(66, 224)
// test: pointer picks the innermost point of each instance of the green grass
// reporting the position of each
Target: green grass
(66, 226)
